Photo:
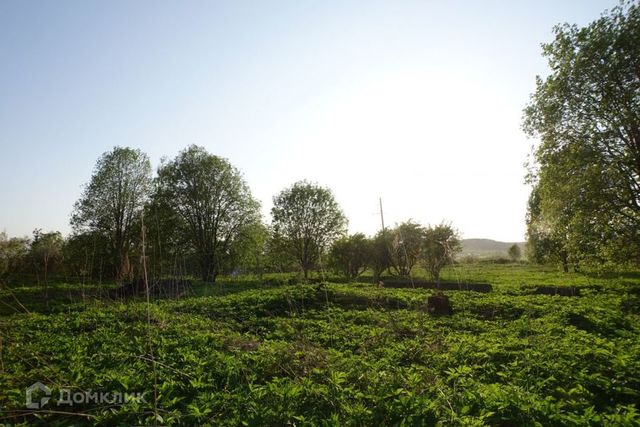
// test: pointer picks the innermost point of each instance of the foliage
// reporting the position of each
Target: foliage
(337, 354)
(350, 255)
(587, 174)
(380, 253)
(112, 202)
(277, 255)
(211, 200)
(46, 250)
(515, 253)
(247, 254)
(406, 246)
(306, 219)
(440, 243)
(13, 256)
(84, 254)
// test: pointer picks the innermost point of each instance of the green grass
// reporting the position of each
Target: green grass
(239, 352)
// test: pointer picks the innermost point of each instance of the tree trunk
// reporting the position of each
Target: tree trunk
(124, 270)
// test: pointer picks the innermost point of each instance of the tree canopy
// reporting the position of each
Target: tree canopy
(586, 114)
(211, 200)
(113, 200)
(440, 243)
(308, 219)
(350, 255)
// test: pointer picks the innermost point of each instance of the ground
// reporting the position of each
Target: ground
(247, 353)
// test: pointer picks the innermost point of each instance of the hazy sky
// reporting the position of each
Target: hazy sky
(419, 103)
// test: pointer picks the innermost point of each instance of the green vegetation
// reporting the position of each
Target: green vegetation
(584, 207)
(267, 337)
(209, 203)
(112, 202)
(514, 252)
(244, 352)
(440, 245)
(307, 220)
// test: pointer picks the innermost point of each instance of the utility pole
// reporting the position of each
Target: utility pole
(381, 214)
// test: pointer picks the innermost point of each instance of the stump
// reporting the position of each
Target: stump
(439, 305)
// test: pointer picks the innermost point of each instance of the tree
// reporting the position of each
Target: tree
(113, 201)
(212, 201)
(46, 249)
(84, 254)
(170, 249)
(440, 245)
(380, 253)
(406, 245)
(247, 254)
(13, 252)
(349, 255)
(587, 116)
(545, 242)
(308, 219)
(514, 252)
(277, 255)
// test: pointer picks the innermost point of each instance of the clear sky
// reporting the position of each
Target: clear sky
(419, 102)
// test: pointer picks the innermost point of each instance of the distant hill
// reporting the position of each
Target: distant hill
(485, 248)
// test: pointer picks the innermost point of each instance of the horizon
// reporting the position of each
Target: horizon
(419, 104)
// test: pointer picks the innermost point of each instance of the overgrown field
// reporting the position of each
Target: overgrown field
(244, 353)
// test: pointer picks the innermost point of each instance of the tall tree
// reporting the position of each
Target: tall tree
(113, 200)
(213, 202)
(308, 219)
(587, 116)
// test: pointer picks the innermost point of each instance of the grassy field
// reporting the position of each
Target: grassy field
(246, 353)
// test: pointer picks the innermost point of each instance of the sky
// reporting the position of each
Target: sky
(415, 102)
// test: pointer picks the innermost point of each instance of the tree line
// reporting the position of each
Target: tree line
(200, 219)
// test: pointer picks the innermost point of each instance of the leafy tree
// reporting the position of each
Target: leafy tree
(350, 255)
(212, 201)
(46, 249)
(515, 253)
(380, 253)
(308, 219)
(13, 252)
(440, 246)
(587, 116)
(112, 202)
(544, 244)
(170, 247)
(406, 245)
(247, 254)
(277, 255)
